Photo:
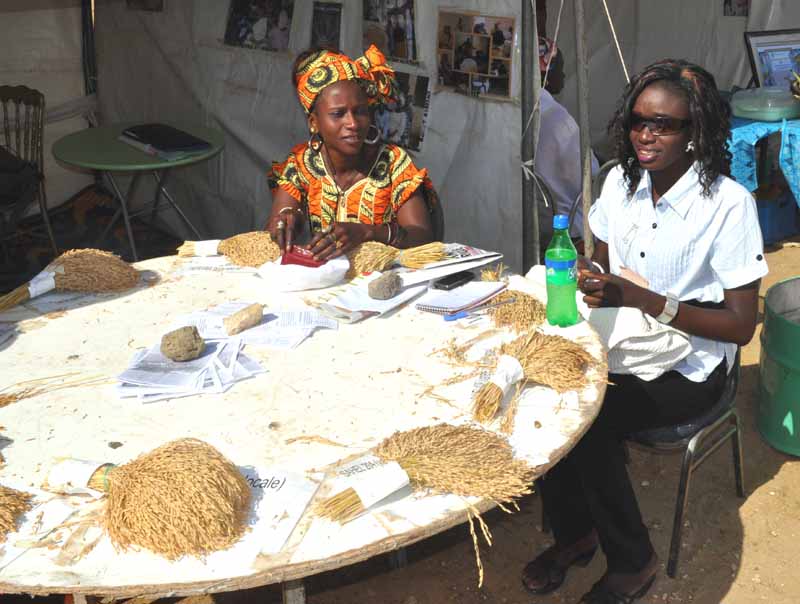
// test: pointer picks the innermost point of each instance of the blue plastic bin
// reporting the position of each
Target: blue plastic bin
(778, 217)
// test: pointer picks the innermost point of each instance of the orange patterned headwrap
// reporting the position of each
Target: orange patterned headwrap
(321, 69)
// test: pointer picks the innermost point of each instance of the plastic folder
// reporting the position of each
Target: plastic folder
(166, 138)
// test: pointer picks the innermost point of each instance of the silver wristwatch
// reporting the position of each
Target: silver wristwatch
(670, 309)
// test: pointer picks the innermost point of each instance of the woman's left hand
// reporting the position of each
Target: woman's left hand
(605, 289)
(342, 238)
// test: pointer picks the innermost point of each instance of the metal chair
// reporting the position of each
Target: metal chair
(22, 134)
(698, 439)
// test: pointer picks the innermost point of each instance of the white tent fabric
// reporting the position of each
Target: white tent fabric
(42, 50)
(173, 66)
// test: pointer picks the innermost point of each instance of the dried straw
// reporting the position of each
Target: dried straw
(250, 249)
(524, 313)
(83, 270)
(183, 498)
(13, 504)
(374, 256)
(31, 388)
(549, 360)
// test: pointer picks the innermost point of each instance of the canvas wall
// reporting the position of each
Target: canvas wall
(41, 48)
(174, 66)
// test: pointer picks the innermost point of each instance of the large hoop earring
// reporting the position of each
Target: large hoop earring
(315, 141)
(374, 139)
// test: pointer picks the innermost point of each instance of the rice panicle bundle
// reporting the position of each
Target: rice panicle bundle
(375, 256)
(13, 504)
(462, 460)
(550, 360)
(183, 498)
(459, 460)
(422, 255)
(342, 507)
(187, 249)
(370, 256)
(524, 313)
(493, 274)
(250, 249)
(79, 270)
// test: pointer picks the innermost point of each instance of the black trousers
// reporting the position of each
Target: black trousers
(590, 488)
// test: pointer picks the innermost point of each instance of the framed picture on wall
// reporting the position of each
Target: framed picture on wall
(404, 122)
(390, 25)
(259, 24)
(475, 53)
(326, 24)
(773, 56)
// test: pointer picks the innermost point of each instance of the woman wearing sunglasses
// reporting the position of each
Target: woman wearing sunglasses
(679, 240)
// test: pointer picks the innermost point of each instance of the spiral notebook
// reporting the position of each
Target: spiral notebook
(461, 298)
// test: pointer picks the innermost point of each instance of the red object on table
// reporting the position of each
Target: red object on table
(301, 256)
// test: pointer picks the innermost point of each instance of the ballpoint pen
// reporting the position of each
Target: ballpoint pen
(462, 314)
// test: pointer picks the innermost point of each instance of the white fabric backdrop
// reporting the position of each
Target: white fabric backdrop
(174, 66)
(41, 44)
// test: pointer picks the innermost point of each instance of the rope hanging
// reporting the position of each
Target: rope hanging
(616, 42)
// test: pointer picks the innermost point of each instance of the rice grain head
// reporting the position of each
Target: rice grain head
(13, 504)
(250, 249)
(183, 498)
(462, 460)
(524, 313)
(551, 360)
(90, 270)
(370, 256)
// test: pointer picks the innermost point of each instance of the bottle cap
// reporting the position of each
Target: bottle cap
(560, 221)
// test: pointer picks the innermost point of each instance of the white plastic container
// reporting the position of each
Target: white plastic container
(768, 104)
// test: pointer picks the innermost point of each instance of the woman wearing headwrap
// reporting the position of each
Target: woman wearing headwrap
(343, 183)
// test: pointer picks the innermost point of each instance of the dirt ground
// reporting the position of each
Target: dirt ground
(736, 551)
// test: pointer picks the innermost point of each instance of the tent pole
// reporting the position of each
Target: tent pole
(531, 92)
(582, 59)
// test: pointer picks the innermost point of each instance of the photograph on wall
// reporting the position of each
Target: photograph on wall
(389, 25)
(475, 53)
(259, 24)
(403, 123)
(151, 5)
(326, 25)
(735, 8)
(774, 55)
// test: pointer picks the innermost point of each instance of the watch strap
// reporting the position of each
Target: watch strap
(670, 309)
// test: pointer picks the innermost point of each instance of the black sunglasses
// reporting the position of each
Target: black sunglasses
(658, 126)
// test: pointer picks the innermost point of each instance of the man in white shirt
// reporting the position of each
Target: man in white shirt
(558, 152)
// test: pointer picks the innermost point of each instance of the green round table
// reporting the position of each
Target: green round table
(100, 149)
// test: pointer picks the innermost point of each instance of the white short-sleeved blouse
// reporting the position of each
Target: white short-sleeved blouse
(689, 245)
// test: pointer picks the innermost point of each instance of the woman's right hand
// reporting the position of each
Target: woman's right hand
(283, 227)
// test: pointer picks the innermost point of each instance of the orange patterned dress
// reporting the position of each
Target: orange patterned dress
(375, 199)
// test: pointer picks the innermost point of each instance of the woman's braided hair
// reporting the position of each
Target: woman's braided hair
(708, 111)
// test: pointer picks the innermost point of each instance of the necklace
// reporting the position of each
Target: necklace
(341, 208)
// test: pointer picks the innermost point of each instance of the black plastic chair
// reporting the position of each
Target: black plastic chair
(698, 439)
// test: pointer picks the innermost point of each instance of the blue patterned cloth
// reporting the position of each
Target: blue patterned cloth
(744, 136)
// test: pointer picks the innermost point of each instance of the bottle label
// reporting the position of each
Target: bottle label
(568, 267)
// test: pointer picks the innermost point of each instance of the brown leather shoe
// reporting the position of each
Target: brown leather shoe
(547, 571)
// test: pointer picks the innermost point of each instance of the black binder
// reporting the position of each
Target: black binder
(166, 138)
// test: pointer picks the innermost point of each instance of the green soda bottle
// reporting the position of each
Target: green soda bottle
(561, 262)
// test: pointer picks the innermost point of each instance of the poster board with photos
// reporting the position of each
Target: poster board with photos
(474, 53)
(390, 25)
(773, 56)
(326, 26)
(404, 122)
(259, 24)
